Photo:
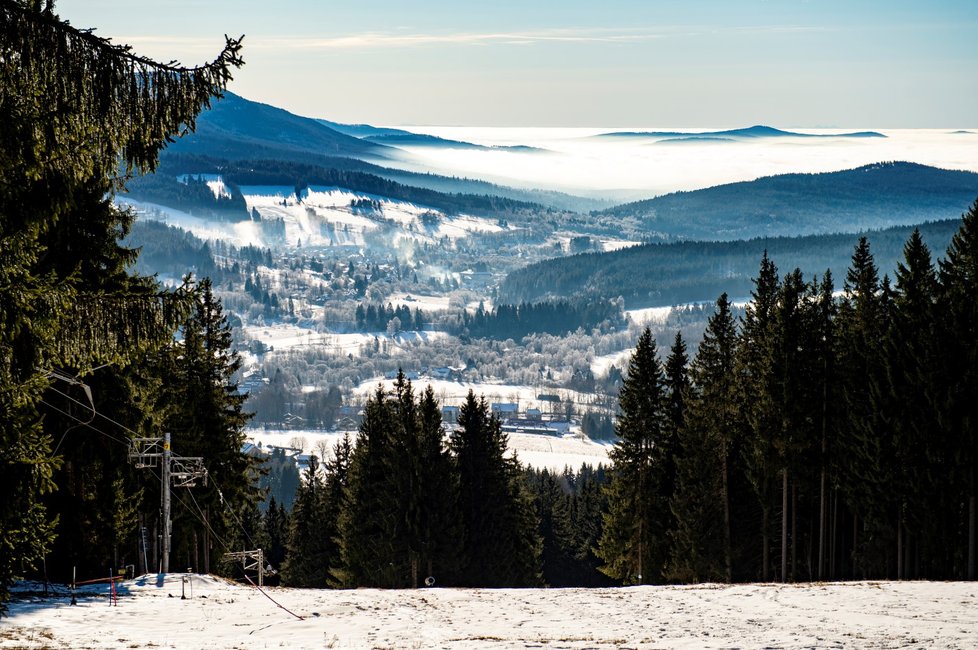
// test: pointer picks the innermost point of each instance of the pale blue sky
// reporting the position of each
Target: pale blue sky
(788, 63)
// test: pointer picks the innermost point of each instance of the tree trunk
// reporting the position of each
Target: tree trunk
(784, 525)
(833, 534)
(821, 525)
(727, 551)
(899, 549)
(855, 543)
(971, 537)
(794, 532)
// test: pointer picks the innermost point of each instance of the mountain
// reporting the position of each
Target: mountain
(868, 197)
(667, 274)
(362, 130)
(758, 131)
(237, 128)
(425, 140)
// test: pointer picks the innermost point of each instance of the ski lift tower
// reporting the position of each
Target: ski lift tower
(178, 471)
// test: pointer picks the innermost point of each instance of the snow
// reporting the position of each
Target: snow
(285, 336)
(453, 393)
(601, 365)
(218, 614)
(427, 304)
(538, 451)
(652, 315)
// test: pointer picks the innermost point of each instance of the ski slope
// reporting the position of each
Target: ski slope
(217, 614)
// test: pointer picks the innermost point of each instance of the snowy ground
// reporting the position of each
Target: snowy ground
(539, 451)
(217, 615)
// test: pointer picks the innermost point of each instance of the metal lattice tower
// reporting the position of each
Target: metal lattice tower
(178, 471)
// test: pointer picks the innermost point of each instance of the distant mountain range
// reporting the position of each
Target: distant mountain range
(872, 196)
(236, 128)
(753, 132)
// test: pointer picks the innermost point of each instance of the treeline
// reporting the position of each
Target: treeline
(873, 196)
(402, 504)
(819, 438)
(169, 250)
(668, 274)
(277, 172)
(547, 317)
(192, 195)
(379, 318)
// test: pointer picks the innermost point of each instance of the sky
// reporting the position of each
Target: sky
(574, 63)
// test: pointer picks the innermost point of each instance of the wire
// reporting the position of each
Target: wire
(81, 422)
(197, 511)
(227, 547)
(101, 415)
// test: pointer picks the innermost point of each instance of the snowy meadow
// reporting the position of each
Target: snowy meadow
(152, 613)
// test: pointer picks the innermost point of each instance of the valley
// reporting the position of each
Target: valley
(339, 271)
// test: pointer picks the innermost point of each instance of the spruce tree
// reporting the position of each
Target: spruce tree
(757, 397)
(438, 518)
(372, 554)
(906, 400)
(959, 298)
(701, 540)
(860, 444)
(72, 105)
(634, 543)
(308, 551)
(500, 542)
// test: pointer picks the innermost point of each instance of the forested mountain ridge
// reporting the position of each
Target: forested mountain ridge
(163, 188)
(235, 127)
(854, 200)
(671, 273)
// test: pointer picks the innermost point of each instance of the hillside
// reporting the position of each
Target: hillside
(868, 197)
(667, 274)
(219, 614)
(236, 128)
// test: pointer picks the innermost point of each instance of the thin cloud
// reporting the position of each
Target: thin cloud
(375, 40)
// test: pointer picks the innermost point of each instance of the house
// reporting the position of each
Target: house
(440, 373)
(504, 409)
(533, 414)
(520, 425)
(449, 414)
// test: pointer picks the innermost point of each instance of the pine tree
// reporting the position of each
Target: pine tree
(634, 543)
(438, 519)
(501, 546)
(71, 106)
(906, 400)
(757, 399)
(959, 282)
(557, 550)
(372, 555)
(308, 552)
(207, 419)
(701, 540)
(861, 475)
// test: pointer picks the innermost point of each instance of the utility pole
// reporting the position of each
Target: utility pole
(177, 471)
(166, 501)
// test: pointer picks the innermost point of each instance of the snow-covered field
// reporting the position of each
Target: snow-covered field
(219, 615)
(539, 451)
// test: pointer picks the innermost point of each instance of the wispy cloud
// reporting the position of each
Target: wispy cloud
(403, 39)
(376, 40)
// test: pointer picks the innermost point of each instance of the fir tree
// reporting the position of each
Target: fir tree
(501, 546)
(308, 550)
(634, 543)
(757, 395)
(701, 540)
(959, 281)
(51, 254)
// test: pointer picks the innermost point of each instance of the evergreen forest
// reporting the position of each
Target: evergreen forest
(828, 434)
